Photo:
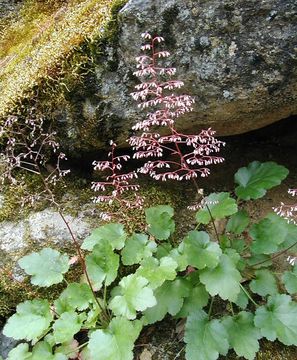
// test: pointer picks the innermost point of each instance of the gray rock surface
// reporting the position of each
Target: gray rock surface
(6, 344)
(8, 7)
(237, 57)
(43, 228)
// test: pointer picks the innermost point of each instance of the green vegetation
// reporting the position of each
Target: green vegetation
(131, 280)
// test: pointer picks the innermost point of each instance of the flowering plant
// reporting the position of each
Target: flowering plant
(134, 280)
(189, 154)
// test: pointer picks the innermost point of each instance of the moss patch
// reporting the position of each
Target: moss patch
(46, 34)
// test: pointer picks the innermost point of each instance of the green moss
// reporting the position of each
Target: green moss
(35, 45)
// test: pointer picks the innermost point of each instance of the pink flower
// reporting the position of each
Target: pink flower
(190, 155)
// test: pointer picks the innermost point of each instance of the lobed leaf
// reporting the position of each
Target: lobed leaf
(223, 280)
(242, 334)
(157, 271)
(264, 283)
(219, 205)
(257, 177)
(134, 295)
(277, 319)
(67, 325)
(205, 339)
(137, 248)
(75, 297)
(102, 264)
(179, 256)
(46, 267)
(115, 342)
(32, 319)
(170, 297)
(197, 296)
(113, 233)
(241, 300)
(268, 234)
(160, 222)
(238, 222)
(200, 251)
(290, 280)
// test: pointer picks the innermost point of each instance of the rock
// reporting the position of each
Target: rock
(238, 58)
(7, 7)
(6, 344)
(43, 227)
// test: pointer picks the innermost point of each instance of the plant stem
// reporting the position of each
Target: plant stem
(78, 348)
(209, 212)
(231, 307)
(275, 256)
(213, 223)
(181, 350)
(210, 306)
(248, 295)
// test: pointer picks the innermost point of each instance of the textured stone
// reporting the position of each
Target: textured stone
(40, 228)
(6, 344)
(237, 57)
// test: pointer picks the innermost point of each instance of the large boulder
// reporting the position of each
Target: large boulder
(237, 57)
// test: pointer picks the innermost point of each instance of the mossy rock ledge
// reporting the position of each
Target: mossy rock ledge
(236, 57)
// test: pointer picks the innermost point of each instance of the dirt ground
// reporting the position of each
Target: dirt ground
(276, 143)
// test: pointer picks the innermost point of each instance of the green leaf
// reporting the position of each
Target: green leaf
(290, 280)
(268, 234)
(241, 300)
(134, 296)
(197, 297)
(163, 250)
(32, 319)
(179, 256)
(223, 280)
(243, 336)
(113, 233)
(42, 350)
(116, 342)
(46, 267)
(277, 319)
(138, 247)
(264, 283)
(93, 315)
(219, 204)
(170, 297)
(238, 222)
(290, 238)
(205, 339)
(75, 296)
(102, 264)
(160, 222)
(21, 352)
(67, 325)
(157, 271)
(201, 252)
(257, 177)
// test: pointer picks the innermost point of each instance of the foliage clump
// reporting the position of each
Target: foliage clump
(131, 279)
